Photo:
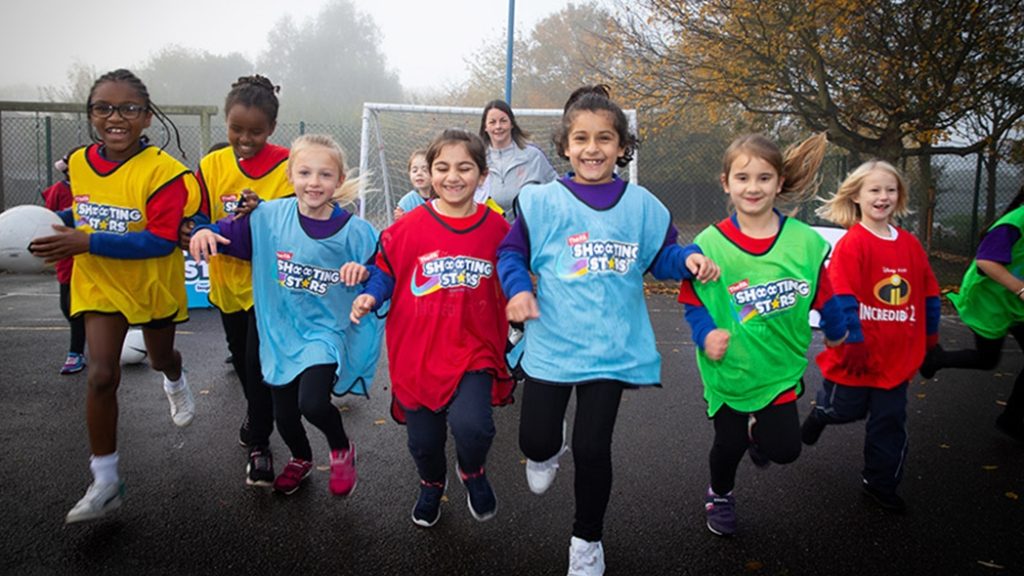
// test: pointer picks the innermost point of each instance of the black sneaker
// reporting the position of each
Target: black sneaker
(483, 504)
(260, 470)
(811, 429)
(890, 501)
(930, 365)
(427, 510)
(1013, 429)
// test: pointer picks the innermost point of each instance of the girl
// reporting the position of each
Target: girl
(512, 161)
(589, 238)
(306, 350)
(447, 305)
(991, 304)
(751, 327)
(249, 163)
(419, 175)
(879, 274)
(129, 201)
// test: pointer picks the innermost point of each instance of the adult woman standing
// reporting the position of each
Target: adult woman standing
(512, 160)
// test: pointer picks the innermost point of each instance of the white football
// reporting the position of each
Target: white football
(134, 349)
(19, 226)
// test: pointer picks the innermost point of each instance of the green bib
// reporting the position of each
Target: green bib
(763, 301)
(986, 306)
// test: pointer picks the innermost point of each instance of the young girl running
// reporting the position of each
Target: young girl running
(129, 200)
(419, 175)
(991, 304)
(249, 163)
(446, 329)
(751, 326)
(589, 238)
(307, 348)
(881, 276)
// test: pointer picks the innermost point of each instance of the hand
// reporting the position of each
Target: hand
(716, 343)
(65, 243)
(399, 212)
(522, 307)
(185, 233)
(853, 358)
(353, 273)
(703, 268)
(361, 306)
(203, 244)
(247, 203)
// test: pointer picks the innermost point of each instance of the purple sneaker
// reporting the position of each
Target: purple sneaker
(721, 513)
(73, 364)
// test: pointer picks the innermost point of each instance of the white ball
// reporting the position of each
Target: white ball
(19, 226)
(134, 349)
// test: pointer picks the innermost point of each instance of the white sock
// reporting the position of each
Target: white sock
(104, 468)
(172, 386)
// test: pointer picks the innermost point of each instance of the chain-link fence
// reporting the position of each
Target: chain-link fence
(682, 170)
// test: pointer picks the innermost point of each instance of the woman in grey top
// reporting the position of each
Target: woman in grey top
(512, 161)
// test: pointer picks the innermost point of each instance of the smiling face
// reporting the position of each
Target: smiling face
(248, 130)
(593, 147)
(454, 176)
(419, 174)
(315, 173)
(120, 137)
(877, 198)
(752, 185)
(498, 126)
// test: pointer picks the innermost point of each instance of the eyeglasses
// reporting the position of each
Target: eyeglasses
(127, 111)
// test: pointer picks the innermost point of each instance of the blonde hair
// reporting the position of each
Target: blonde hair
(841, 210)
(798, 165)
(415, 153)
(349, 189)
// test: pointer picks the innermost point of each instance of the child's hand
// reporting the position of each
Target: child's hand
(65, 243)
(203, 244)
(399, 212)
(185, 233)
(353, 273)
(703, 268)
(716, 343)
(361, 306)
(522, 307)
(247, 203)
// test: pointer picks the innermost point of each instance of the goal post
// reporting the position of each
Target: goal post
(391, 132)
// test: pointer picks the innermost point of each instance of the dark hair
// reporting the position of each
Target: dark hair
(474, 145)
(519, 136)
(217, 146)
(1015, 203)
(254, 92)
(126, 76)
(595, 99)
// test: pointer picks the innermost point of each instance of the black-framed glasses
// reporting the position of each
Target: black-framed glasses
(127, 111)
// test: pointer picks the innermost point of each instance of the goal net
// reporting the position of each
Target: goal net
(391, 132)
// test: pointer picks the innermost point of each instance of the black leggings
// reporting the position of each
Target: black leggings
(77, 324)
(309, 395)
(776, 432)
(985, 356)
(540, 438)
(236, 332)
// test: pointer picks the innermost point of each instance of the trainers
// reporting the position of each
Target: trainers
(930, 365)
(585, 558)
(1013, 429)
(289, 480)
(890, 501)
(427, 510)
(540, 475)
(98, 500)
(753, 450)
(483, 504)
(343, 470)
(811, 429)
(260, 469)
(721, 513)
(183, 405)
(245, 433)
(73, 364)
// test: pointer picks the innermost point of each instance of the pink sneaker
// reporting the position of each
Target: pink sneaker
(343, 470)
(289, 480)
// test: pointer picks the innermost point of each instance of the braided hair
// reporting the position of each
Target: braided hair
(127, 77)
(254, 91)
(595, 99)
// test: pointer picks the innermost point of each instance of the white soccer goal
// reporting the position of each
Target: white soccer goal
(391, 132)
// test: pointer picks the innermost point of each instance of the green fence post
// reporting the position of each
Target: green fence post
(3, 205)
(302, 127)
(974, 211)
(49, 150)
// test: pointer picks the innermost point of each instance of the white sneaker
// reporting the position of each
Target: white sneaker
(183, 405)
(98, 500)
(585, 558)
(540, 475)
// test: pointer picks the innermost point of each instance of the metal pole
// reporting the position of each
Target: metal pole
(508, 50)
(49, 151)
(974, 210)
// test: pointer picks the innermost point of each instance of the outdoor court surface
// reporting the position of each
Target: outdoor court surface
(188, 510)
